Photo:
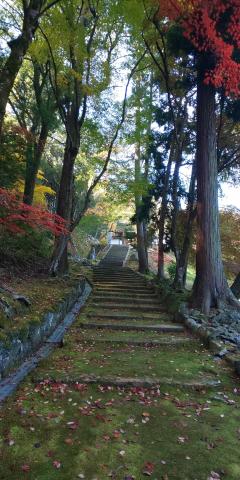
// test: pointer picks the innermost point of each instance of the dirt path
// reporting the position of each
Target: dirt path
(130, 395)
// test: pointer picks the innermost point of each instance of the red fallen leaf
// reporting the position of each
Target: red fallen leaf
(116, 434)
(148, 469)
(80, 387)
(56, 464)
(50, 453)
(101, 418)
(25, 468)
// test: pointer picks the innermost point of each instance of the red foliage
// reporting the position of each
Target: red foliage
(212, 26)
(15, 216)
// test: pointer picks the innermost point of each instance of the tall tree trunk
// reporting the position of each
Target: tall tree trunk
(210, 288)
(163, 213)
(175, 202)
(33, 160)
(236, 286)
(182, 260)
(59, 263)
(19, 47)
(141, 246)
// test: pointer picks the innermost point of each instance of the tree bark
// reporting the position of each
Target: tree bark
(19, 47)
(59, 263)
(141, 246)
(210, 288)
(33, 160)
(163, 213)
(236, 286)
(182, 260)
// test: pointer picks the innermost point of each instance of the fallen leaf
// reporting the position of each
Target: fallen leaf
(148, 469)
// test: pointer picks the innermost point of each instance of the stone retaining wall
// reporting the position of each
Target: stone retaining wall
(18, 349)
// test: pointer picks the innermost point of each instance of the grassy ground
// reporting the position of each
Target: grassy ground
(45, 294)
(58, 428)
(55, 431)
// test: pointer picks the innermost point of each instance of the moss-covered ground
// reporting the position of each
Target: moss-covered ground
(44, 294)
(57, 428)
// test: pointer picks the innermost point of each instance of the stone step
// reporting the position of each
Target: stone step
(125, 306)
(161, 328)
(142, 382)
(125, 295)
(106, 315)
(125, 288)
(113, 282)
(126, 300)
(115, 277)
(113, 270)
(118, 286)
(163, 342)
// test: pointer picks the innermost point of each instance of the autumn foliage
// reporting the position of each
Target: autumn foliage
(16, 216)
(212, 26)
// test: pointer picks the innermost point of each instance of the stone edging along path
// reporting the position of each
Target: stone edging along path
(220, 348)
(223, 349)
(49, 334)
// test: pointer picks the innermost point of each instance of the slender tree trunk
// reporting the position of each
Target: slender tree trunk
(19, 47)
(59, 263)
(236, 286)
(182, 261)
(141, 246)
(33, 160)
(163, 213)
(210, 288)
(175, 202)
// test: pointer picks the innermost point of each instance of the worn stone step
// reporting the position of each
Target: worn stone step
(144, 382)
(163, 342)
(120, 283)
(126, 300)
(125, 306)
(115, 315)
(111, 313)
(105, 278)
(123, 290)
(125, 295)
(161, 328)
(109, 269)
(130, 287)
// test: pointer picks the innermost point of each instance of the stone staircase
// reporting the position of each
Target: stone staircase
(124, 311)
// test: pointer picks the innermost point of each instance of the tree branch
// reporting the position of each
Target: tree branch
(110, 148)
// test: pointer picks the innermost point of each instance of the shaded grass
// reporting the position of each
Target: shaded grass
(185, 437)
(183, 364)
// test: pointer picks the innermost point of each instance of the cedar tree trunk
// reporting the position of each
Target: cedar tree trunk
(210, 288)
